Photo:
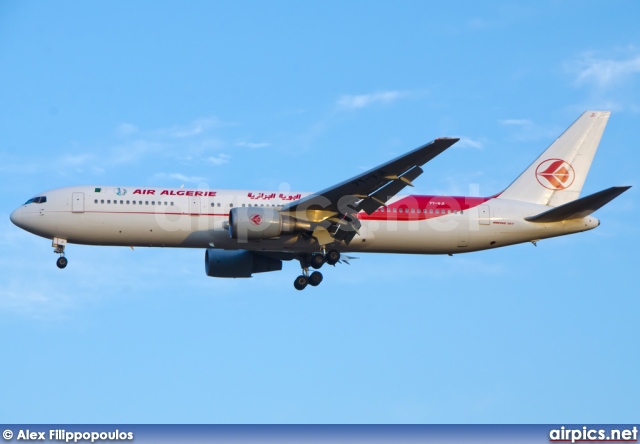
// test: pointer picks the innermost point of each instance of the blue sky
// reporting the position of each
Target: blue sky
(302, 95)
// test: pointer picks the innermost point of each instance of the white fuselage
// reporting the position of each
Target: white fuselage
(188, 218)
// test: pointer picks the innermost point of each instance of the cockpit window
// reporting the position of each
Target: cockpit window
(39, 199)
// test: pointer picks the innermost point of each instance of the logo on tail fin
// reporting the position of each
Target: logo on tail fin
(555, 174)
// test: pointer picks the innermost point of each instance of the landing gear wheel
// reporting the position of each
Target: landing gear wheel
(317, 260)
(333, 256)
(62, 262)
(301, 282)
(315, 278)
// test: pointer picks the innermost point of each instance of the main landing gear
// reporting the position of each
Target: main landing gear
(58, 245)
(316, 260)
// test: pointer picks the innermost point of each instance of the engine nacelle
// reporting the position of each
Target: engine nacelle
(237, 263)
(255, 223)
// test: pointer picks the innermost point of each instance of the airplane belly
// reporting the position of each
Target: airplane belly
(131, 229)
(419, 237)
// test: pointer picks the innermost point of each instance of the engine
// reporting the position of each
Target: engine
(237, 263)
(255, 223)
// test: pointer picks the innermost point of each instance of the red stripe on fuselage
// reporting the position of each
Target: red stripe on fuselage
(407, 207)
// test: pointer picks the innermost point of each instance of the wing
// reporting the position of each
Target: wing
(331, 212)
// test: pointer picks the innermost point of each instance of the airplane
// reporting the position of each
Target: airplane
(245, 232)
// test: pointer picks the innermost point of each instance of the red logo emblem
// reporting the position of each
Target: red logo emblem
(555, 174)
(256, 219)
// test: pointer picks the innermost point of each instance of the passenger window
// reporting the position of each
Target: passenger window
(109, 201)
(127, 202)
(133, 202)
(413, 210)
(146, 202)
(102, 201)
(95, 201)
(171, 203)
(394, 210)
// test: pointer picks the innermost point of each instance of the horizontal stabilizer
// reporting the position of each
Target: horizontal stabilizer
(579, 208)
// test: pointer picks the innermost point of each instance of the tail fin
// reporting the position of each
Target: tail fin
(557, 176)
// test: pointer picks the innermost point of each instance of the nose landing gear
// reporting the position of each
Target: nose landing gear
(62, 262)
(58, 245)
(316, 260)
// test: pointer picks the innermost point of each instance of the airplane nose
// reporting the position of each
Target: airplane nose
(16, 217)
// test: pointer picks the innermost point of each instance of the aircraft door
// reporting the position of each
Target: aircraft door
(484, 215)
(194, 205)
(77, 202)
